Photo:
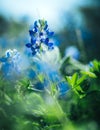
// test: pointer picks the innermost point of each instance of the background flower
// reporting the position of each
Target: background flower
(12, 64)
(73, 52)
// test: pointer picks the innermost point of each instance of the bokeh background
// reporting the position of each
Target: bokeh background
(75, 23)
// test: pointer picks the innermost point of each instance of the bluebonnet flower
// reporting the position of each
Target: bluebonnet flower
(62, 87)
(40, 37)
(73, 52)
(51, 76)
(46, 64)
(10, 63)
(31, 73)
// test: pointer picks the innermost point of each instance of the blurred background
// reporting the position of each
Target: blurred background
(75, 23)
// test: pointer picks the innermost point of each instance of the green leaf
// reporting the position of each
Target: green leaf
(74, 79)
(88, 73)
(81, 79)
(78, 88)
(76, 82)
(98, 66)
(41, 77)
(53, 89)
(69, 79)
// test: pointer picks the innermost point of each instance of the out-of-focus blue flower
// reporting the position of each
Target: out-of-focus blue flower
(73, 52)
(39, 86)
(91, 64)
(3, 59)
(10, 65)
(40, 37)
(31, 73)
(51, 76)
(62, 87)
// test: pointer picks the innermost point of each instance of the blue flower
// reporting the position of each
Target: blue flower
(10, 63)
(3, 59)
(62, 87)
(51, 76)
(73, 52)
(31, 73)
(91, 65)
(40, 37)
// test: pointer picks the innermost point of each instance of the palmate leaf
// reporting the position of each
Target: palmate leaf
(72, 79)
(75, 82)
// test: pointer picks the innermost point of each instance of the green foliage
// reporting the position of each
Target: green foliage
(75, 82)
(79, 80)
(96, 66)
(26, 108)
